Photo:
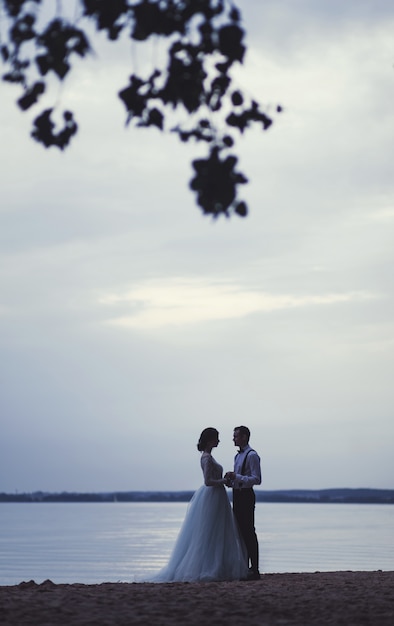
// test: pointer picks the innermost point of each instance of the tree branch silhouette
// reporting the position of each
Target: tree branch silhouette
(205, 39)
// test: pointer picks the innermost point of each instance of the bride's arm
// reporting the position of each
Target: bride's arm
(208, 468)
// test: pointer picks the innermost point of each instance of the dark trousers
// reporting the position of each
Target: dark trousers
(244, 502)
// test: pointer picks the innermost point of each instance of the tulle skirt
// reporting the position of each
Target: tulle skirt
(208, 547)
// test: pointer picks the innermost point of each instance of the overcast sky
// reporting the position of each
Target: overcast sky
(130, 322)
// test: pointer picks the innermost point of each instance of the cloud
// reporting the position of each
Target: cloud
(382, 215)
(188, 301)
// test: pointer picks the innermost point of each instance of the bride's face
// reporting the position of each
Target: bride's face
(214, 442)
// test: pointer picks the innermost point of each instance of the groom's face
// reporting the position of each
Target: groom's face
(239, 439)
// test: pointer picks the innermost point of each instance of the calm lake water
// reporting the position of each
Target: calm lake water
(110, 542)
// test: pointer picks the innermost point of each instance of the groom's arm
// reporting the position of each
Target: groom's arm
(253, 468)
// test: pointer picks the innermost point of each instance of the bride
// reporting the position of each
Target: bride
(208, 547)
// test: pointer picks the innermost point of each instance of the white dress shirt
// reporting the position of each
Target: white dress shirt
(252, 471)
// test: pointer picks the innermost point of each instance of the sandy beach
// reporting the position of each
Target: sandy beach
(335, 598)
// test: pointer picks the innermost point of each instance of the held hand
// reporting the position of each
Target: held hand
(229, 477)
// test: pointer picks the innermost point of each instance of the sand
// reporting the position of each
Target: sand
(335, 598)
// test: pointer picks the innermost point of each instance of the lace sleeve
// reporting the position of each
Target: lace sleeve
(212, 472)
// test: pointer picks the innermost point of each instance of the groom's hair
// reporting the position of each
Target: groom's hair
(244, 430)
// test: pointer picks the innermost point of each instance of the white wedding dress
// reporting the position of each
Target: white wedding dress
(208, 547)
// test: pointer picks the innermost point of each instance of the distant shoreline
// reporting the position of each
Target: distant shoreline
(319, 496)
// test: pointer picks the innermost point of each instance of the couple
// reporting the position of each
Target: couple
(214, 544)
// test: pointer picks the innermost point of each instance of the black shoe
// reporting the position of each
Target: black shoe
(253, 575)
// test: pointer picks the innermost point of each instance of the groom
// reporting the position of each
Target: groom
(247, 472)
